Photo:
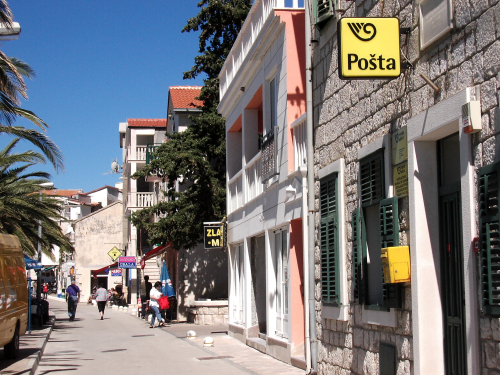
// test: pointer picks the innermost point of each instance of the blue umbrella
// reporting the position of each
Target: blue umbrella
(32, 264)
(166, 284)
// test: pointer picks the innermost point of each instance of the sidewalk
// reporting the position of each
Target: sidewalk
(31, 348)
(225, 348)
(230, 349)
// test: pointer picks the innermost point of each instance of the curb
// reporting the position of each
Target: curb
(34, 359)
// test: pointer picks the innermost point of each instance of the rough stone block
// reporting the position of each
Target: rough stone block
(491, 65)
(477, 68)
(477, 7)
(485, 328)
(485, 32)
(465, 77)
(489, 97)
(457, 55)
(462, 13)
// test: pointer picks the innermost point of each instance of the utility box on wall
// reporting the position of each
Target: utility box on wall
(396, 264)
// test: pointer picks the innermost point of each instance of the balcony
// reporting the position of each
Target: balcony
(235, 188)
(249, 35)
(254, 178)
(141, 200)
(150, 150)
(136, 154)
(299, 135)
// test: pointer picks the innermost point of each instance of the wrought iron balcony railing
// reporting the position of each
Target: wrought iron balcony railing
(150, 150)
(269, 155)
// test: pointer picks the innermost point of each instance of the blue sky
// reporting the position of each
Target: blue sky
(99, 62)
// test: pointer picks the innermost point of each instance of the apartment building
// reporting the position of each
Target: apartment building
(263, 99)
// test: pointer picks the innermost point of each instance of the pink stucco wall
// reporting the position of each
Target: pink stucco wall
(296, 282)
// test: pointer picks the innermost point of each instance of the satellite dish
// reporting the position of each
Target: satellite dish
(115, 167)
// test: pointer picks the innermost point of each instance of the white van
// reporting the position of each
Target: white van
(13, 295)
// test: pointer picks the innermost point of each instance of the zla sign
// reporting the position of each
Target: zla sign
(369, 48)
(215, 236)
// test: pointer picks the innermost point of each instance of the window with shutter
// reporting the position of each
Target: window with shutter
(357, 256)
(329, 241)
(389, 236)
(372, 178)
(489, 226)
(323, 11)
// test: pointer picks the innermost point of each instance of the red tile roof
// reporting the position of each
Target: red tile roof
(184, 96)
(147, 123)
(62, 193)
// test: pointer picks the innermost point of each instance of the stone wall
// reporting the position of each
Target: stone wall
(350, 114)
(208, 315)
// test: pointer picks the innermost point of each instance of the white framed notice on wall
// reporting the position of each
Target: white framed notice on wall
(435, 20)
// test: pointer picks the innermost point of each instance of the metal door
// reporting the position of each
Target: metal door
(452, 279)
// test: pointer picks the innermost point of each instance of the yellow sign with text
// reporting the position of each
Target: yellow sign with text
(400, 176)
(369, 48)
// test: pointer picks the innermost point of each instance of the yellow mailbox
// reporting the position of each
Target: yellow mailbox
(396, 264)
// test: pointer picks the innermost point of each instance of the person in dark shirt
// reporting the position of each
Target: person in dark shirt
(72, 298)
(146, 290)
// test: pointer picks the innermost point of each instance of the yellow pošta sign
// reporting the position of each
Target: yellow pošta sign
(369, 48)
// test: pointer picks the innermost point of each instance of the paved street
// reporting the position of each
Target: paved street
(124, 344)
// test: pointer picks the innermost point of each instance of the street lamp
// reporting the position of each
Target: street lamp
(43, 186)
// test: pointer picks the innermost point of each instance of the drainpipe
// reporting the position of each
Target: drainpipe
(311, 190)
(305, 266)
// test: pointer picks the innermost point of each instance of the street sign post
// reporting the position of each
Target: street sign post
(114, 253)
(126, 262)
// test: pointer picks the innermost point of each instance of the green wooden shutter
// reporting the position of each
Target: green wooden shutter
(323, 10)
(389, 236)
(329, 241)
(357, 255)
(489, 227)
(371, 172)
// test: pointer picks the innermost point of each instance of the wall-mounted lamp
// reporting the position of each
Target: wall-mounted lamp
(170, 116)
(290, 192)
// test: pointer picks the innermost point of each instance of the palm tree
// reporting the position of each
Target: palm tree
(12, 89)
(21, 206)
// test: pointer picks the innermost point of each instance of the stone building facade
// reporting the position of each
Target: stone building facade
(352, 120)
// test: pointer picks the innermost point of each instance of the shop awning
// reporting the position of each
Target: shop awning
(154, 252)
(32, 264)
(48, 268)
(104, 269)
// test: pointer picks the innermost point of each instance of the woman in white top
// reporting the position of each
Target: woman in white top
(153, 304)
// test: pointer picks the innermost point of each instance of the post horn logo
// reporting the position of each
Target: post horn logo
(357, 27)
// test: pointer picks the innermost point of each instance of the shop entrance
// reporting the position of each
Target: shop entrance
(451, 256)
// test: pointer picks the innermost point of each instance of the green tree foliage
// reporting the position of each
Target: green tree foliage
(196, 158)
(21, 206)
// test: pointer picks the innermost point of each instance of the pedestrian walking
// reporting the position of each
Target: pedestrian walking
(72, 298)
(101, 296)
(145, 292)
(45, 290)
(153, 304)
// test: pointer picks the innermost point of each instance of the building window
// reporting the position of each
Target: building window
(329, 241)
(489, 227)
(238, 283)
(323, 12)
(375, 226)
